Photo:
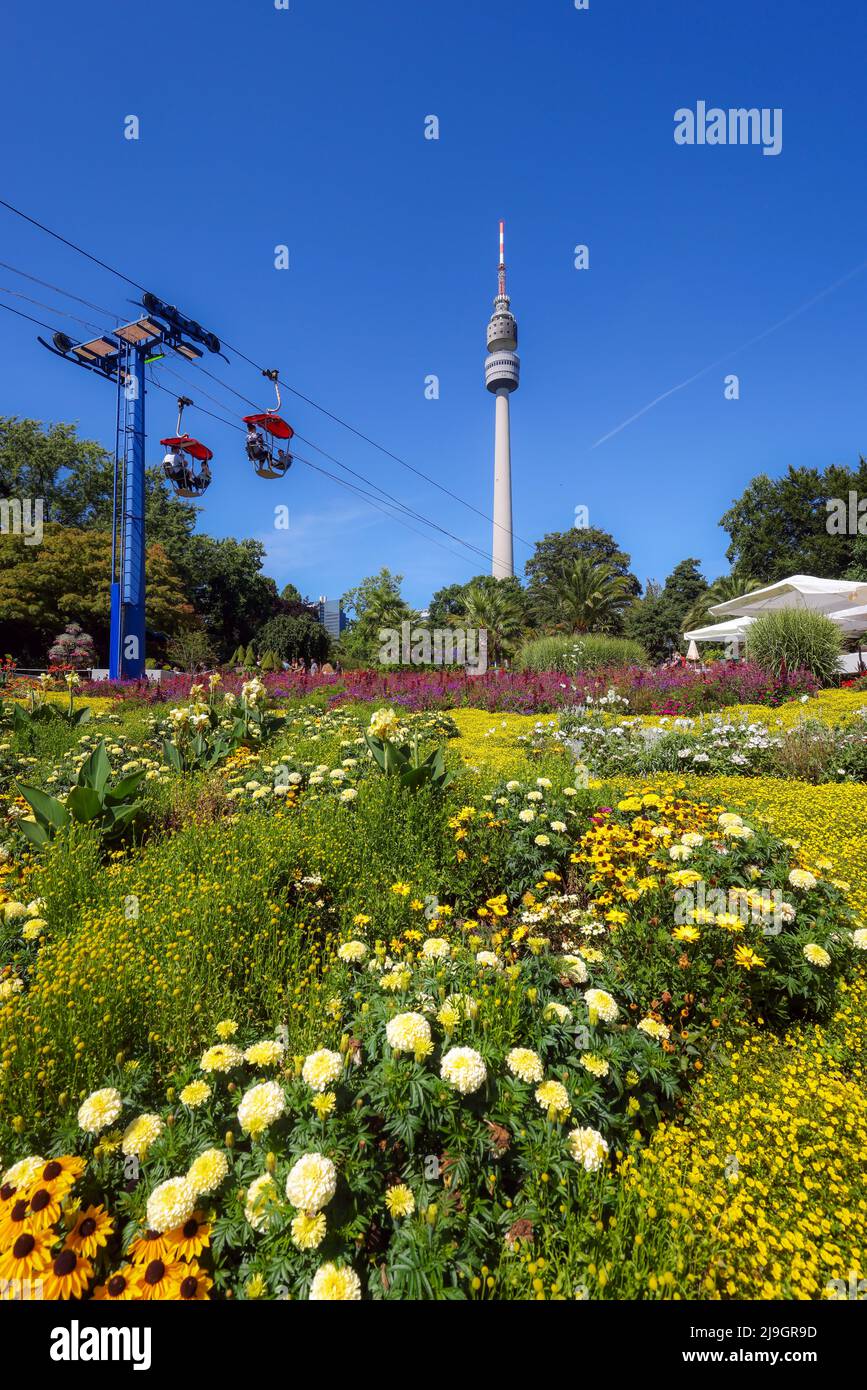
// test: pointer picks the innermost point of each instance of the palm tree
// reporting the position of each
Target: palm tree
(590, 597)
(727, 587)
(495, 609)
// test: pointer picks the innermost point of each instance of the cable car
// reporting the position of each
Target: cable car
(262, 433)
(187, 461)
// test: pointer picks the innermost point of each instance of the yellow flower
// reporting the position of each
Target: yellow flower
(746, 957)
(399, 1200)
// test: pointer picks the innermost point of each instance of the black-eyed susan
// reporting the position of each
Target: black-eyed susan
(44, 1209)
(91, 1231)
(195, 1286)
(190, 1239)
(15, 1220)
(27, 1257)
(159, 1280)
(67, 1276)
(150, 1245)
(59, 1175)
(119, 1287)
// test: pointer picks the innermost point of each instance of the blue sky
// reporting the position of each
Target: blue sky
(305, 127)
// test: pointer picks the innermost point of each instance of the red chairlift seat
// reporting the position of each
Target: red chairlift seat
(196, 451)
(278, 462)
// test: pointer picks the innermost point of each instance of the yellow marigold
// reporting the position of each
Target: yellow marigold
(332, 1283)
(553, 1097)
(268, 1053)
(525, 1064)
(221, 1057)
(261, 1106)
(399, 1200)
(195, 1094)
(140, 1134)
(308, 1232)
(100, 1110)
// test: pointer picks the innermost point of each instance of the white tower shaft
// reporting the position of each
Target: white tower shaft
(502, 564)
(502, 375)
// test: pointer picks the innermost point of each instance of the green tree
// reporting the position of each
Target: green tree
(779, 526)
(294, 638)
(376, 603)
(555, 554)
(727, 587)
(493, 606)
(67, 579)
(587, 597)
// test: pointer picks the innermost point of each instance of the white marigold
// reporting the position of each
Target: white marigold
(352, 951)
(311, 1183)
(435, 948)
(525, 1064)
(463, 1068)
(489, 959)
(408, 1032)
(383, 723)
(100, 1110)
(859, 939)
(170, 1204)
(802, 878)
(588, 1148)
(322, 1068)
(574, 968)
(206, 1173)
(260, 1107)
(140, 1134)
(817, 955)
(601, 1005)
(334, 1284)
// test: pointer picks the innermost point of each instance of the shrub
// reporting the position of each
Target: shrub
(795, 639)
(290, 638)
(585, 653)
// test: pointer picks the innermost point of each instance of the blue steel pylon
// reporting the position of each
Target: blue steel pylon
(127, 633)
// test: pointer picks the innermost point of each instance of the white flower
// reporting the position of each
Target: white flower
(534, 796)
(408, 1032)
(311, 1183)
(260, 1107)
(588, 1148)
(100, 1110)
(464, 1069)
(513, 786)
(348, 794)
(559, 826)
(654, 1029)
(490, 959)
(261, 1193)
(680, 853)
(817, 955)
(601, 1005)
(525, 1064)
(170, 1204)
(859, 939)
(527, 815)
(802, 878)
(322, 1068)
(542, 841)
(352, 951)
(435, 948)
(574, 967)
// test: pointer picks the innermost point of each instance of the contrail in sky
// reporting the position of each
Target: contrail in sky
(681, 385)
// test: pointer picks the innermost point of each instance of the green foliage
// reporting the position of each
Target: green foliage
(569, 654)
(778, 526)
(557, 553)
(407, 765)
(789, 639)
(111, 808)
(294, 638)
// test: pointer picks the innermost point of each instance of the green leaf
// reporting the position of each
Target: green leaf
(121, 790)
(85, 803)
(36, 833)
(46, 808)
(95, 771)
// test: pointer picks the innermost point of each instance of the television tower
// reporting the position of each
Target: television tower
(502, 372)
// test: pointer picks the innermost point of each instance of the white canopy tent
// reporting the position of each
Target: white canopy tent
(798, 591)
(735, 630)
(851, 620)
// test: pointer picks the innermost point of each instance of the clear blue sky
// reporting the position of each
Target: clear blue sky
(261, 127)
